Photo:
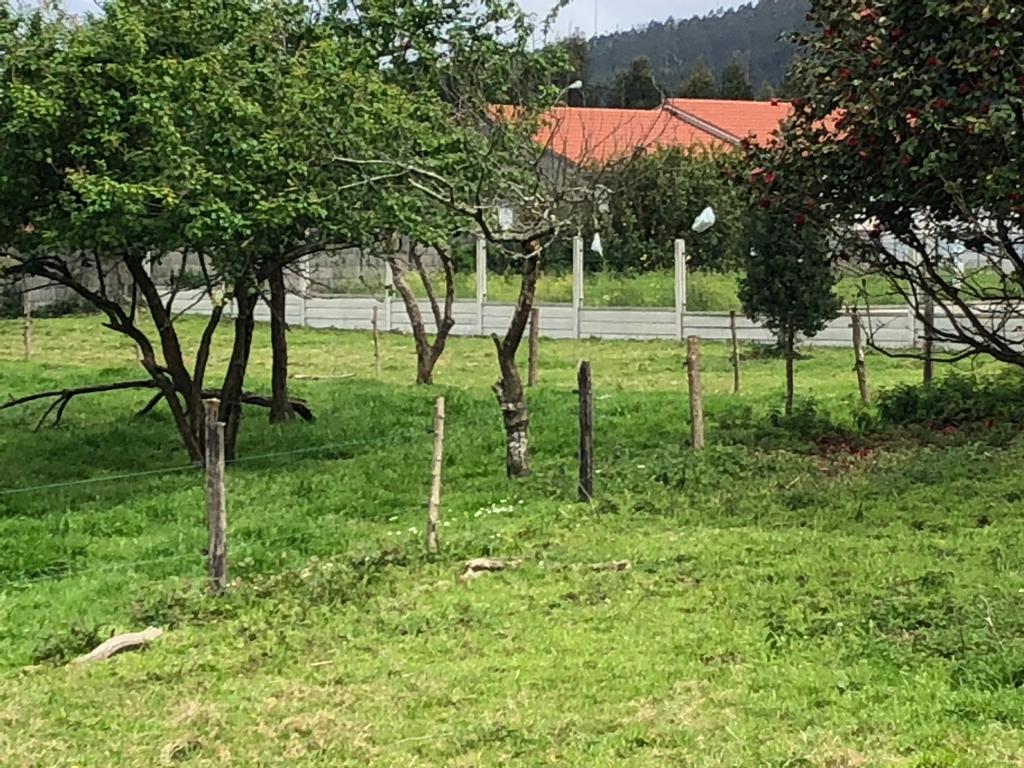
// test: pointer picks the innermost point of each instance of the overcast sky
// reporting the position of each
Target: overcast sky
(611, 14)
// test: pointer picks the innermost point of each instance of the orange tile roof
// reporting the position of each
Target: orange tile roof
(740, 119)
(598, 136)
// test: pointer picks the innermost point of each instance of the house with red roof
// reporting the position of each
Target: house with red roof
(586, 136)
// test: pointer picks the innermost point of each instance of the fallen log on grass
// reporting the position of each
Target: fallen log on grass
(120, 644)
(63, 397)
(481, 565)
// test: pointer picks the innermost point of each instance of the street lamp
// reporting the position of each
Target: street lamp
(575, 85)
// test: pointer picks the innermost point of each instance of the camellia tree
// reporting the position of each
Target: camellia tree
(907, 143)
(788, 279)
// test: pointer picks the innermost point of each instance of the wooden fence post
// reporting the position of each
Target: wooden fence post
(481, 284)
(534, 347)
(434, 510)
(577, 285)
(735, 354)
(929, 340)
(696, 396)
(216, 499)
(376, 341)
(680, 288)
(26, 300)
(586, 487)
(858, 356)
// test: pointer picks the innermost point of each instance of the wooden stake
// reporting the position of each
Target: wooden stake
(534, 346)
(434, 510)
(27, 323)
(929, 340)
(216, 498)
(376, 342)
(696, 396)
(858, 356)
(735, 354)
(586, 432)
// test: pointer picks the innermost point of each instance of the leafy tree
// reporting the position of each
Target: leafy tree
(577, 55)
(735, 84)
(655, 196)
(907, 146)
(637, 87)
(699, 83)
(788, 279)
(151, 131)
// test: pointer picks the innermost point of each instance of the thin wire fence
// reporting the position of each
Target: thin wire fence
(318, 528)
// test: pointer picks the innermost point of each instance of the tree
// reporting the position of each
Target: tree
(207, 135)
(699, 83)
(735, 80)
(655, 196)
(788, 279)
(907, 146)
(637, 87)
(501, 169)
(428, 351)
(577, 55)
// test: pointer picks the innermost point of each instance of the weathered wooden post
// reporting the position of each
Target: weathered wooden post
(696, 396)
(26, 330)
(216, 499)
(376, 341)
(735, 354)
(858, 356)
(434, 509)
(586, 487)
(929, 339)
(534, 347)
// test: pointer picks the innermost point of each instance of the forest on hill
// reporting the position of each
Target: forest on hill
(753, 33)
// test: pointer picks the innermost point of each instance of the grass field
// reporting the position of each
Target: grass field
(840, 603)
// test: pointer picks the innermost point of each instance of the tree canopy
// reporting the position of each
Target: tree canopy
(907, 145)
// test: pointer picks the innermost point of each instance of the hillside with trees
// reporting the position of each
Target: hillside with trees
(677, 48)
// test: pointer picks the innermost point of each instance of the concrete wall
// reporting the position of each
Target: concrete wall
(889, 328)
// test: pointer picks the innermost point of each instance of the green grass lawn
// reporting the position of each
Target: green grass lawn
(789, 603)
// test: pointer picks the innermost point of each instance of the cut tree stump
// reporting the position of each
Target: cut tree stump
(481, 565)
(120, 644)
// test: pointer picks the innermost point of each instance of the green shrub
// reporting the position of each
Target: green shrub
(955, 399)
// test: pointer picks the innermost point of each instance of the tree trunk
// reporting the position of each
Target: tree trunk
(172, 377)
(790, 354)
(509, 388)
(509, 391)
(280, 406)
(427, 352)
(929, 340)
(234, 380)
